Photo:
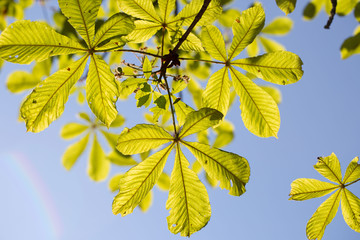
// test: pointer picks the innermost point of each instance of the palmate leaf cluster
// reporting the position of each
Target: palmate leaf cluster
(305, 188)
(81, 49)
(188, 199)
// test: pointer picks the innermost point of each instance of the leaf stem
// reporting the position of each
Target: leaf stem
(346, 185)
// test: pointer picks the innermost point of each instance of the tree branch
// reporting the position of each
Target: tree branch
(332, 14)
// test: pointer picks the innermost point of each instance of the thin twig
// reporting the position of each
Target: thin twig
(332, 14)
(165, 62)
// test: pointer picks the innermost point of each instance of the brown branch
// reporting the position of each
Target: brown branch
(332, 14)
(172, 58)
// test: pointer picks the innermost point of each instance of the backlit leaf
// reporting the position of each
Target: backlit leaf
(329, 167)
(101, 90)
(231, 170)
(145, 204)
(188, 199)
(246, 28)
(99, 165)
(188, 13)
(25, 41)
(352, 171)
(350, 206)
(20, 81)
(276, 67)
(166, 7)
(143, 9)
(163, 182)
(198, 121)
(213, 42)
(143, 31)
(287, 6)
(273, 92)
(258, 110)
(81, 15)
(142, 138)
(120, 159)
(72, 130)
(279, 26)
(305, 188)
(322, 217)
(118, 25)
(217, 92)
(271, 45)
(182, 110)
(114, 182)
(73, 152)
(138, 181)
(47, 101)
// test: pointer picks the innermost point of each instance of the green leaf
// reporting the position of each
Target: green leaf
(213, 42)
(352, 171)
(271, 45)
(20, 81)
(138, 181)
(166, 7)
(253, 48)
(287, 6)
(72, 130)
(99, 166)
(147, 68)
(47, 101)
(188, 13)
(217, 92)
(25, 41)
(129, 85)
(305, 188)
(182, 110)
(118, 25)
(330, 168)
(143, 31)
(350, 46)
(258, 110)
(350, 206)
(227, 17)
(73, 152)
(277, 67)
(101, 90)
(85, 116)
(273, 92)
(120, 159)
(312, 9)
(81, 15)
(178, 85)
(344, 7)
(191, 43)
(225, 134)
(231, 170)
(163, 182)
(246, 28)
(188, 199)
(279, 26)
(357, 12)
(114, 182)
(145, 204)
(322, 217)
(198, 121)
(118, 121)
(143, 9)
(142, 138)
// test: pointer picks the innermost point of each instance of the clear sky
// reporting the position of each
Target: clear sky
(319, 115)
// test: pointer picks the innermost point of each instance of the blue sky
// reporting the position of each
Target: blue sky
(319, 115)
